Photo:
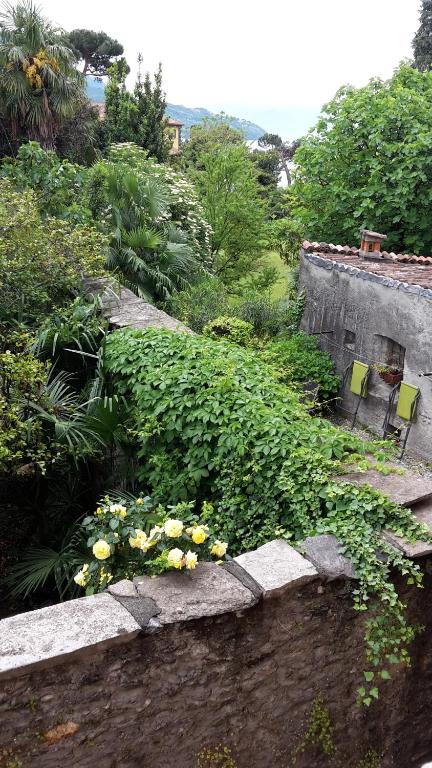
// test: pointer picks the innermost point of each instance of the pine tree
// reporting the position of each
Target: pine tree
(422, 43)
(151, 108)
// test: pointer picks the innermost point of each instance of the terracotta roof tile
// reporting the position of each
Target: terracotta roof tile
(405, 267)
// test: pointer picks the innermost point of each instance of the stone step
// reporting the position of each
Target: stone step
(408, 489)
(423, 514)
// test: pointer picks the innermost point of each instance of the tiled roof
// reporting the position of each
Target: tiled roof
(414, 270)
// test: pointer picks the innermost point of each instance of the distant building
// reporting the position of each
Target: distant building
(175, 127)
(375, 307)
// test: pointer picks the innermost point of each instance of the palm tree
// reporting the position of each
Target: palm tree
(151, 253)
(39, 85)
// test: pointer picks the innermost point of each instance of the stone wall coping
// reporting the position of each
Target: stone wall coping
(276, 566)
(208, 590)
(51, 635)
(59, 631)
(124, 309)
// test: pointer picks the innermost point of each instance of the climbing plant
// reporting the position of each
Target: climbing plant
(212, 422)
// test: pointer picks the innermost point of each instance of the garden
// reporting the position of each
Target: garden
(131, 452)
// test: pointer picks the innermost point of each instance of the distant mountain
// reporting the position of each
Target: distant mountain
(187, 115)
(190, 116)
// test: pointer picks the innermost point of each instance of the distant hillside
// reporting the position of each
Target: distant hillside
(193, 116)
(187, 115)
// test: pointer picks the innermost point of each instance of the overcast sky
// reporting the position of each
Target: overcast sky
(275, 62)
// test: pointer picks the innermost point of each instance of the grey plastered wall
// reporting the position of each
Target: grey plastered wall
(340, 298)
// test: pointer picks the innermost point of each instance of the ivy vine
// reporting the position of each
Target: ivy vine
(210, 420)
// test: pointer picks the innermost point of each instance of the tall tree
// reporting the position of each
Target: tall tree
(39, 85)
(422, 43)
(151, 105)
(96, 50)
(368, 163)
(121, 112)
(209, 136)
(284, 149)
(230, 195)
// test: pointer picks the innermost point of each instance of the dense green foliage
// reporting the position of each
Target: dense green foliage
(39, 85)
(58, 184)
(230, 329)
(212, 421)
(42, 262)
(302, 363)
(368, 162)
(230, 195)
(209, 299)
(183, 209)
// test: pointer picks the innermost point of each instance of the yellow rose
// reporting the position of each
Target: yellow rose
(82, 576)
(173, 528)
(139, 539)
(219, 548)
(139, 501)
(118, 510)
(191, 560)
(175, 558)
(199, 534)
(156, 531)
(101, 550)
(100, 511)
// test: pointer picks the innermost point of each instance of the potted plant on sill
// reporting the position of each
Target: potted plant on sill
(390, 374)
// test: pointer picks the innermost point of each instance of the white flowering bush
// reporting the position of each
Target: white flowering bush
(184, 208)
(130, 537)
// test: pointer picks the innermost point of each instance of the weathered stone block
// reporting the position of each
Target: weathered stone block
(206, 591)
(276, 566)
(123, 588)
(324, 553)
(50, 634)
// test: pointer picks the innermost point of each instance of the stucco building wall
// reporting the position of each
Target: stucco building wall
(342, 299)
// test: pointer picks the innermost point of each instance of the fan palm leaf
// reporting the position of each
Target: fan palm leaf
(39, 85)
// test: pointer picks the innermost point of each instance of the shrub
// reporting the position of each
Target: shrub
(212, 422)
(42, 263)
(130, 536)
(300, 362)
(231, 329)
(200, 304)
(58, 184)
(272, 318)
(183, 208)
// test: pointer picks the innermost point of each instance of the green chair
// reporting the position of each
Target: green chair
(405, 408)
(358, 375)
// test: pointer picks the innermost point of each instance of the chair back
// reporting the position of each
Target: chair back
(359, 378)
(407, 402)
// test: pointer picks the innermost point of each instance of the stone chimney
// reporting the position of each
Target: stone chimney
(370, 246)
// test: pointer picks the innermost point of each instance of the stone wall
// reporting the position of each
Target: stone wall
(339, 299)
(227, 657)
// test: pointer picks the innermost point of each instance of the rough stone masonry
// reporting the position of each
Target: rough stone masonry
(233, 656)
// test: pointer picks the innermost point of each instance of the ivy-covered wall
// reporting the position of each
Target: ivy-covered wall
(268, 683)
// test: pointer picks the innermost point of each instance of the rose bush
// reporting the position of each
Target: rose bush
(131, 537)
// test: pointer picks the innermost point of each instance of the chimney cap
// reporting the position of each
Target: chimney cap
(369, 233)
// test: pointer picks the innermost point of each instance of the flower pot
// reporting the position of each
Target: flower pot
(391, 377)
